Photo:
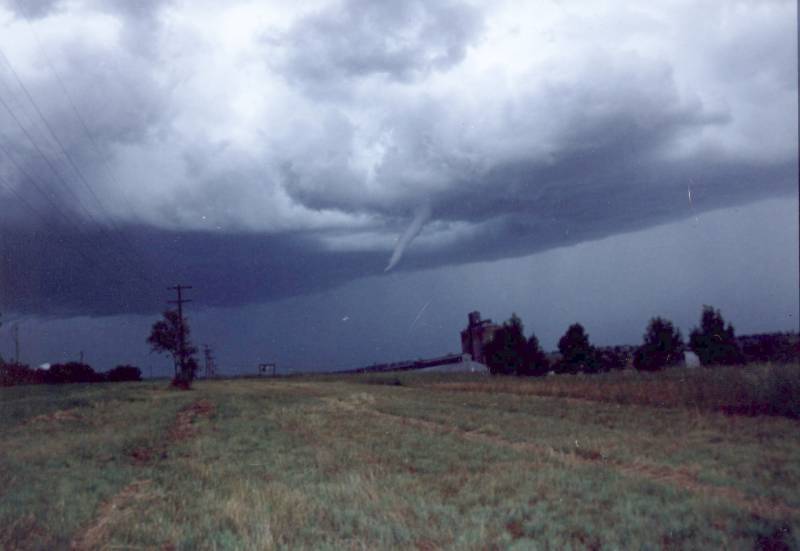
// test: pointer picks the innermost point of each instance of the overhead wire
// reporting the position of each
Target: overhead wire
(46, 159)
(35, 183)
(50, 197)
(55, 209)
(50, 129)
(68, 96)
(44, 218)
(58, 174)
(83, 125)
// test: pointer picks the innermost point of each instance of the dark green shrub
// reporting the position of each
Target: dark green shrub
(577, 353)
(71, 372)
(505, 353)
(714, 342)
(662, 346)
(124, 373)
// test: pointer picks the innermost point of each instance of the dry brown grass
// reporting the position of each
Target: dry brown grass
(750, 390)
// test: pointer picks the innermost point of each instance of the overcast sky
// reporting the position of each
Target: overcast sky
(342, 181)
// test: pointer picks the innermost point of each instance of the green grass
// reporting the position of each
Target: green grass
(332, 463)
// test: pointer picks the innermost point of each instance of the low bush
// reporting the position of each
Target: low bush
(19, 374)
(124, 373)
(71, 372)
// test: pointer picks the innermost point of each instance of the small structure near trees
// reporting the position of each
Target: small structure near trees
(267, 369)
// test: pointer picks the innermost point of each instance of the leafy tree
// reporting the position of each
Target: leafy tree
(124, 373)
(713, 341)
(505, 353)
(611, 357)
(662, 346)
(577, 354)
(536, 362)
(165, 338)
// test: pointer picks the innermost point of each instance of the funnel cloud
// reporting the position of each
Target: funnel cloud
(421, 216)
(268, 151)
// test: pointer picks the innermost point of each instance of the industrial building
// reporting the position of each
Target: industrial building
(475, 337)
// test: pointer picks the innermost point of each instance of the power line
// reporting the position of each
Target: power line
(45, 219)
(50, 129)
(69, 158)
(22, 198)
(67, 95)
(209, 359)
(46, 159)
(35, 184)
(15, 336)
(61, 179)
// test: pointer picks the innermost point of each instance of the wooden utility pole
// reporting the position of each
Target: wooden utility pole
(209, 357)
(15, 336)
(181, 334)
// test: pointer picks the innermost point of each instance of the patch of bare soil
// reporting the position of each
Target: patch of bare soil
(111, 513)
(182, 428)
(515, 529)
(685, 479)
(60, 416)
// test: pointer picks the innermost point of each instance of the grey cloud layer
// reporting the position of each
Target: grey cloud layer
(301, 151)
(398, 40)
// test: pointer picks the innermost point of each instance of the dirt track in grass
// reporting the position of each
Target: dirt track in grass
(347, 463)
(114, 510)
(182, 428)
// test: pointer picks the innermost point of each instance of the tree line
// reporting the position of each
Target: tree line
(71, 372)
(714, 342)
(169, 335)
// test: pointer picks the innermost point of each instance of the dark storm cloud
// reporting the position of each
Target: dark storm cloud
(128, 271)
(255, 179)
(233, 269)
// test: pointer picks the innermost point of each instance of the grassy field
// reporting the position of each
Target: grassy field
(406, 461)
